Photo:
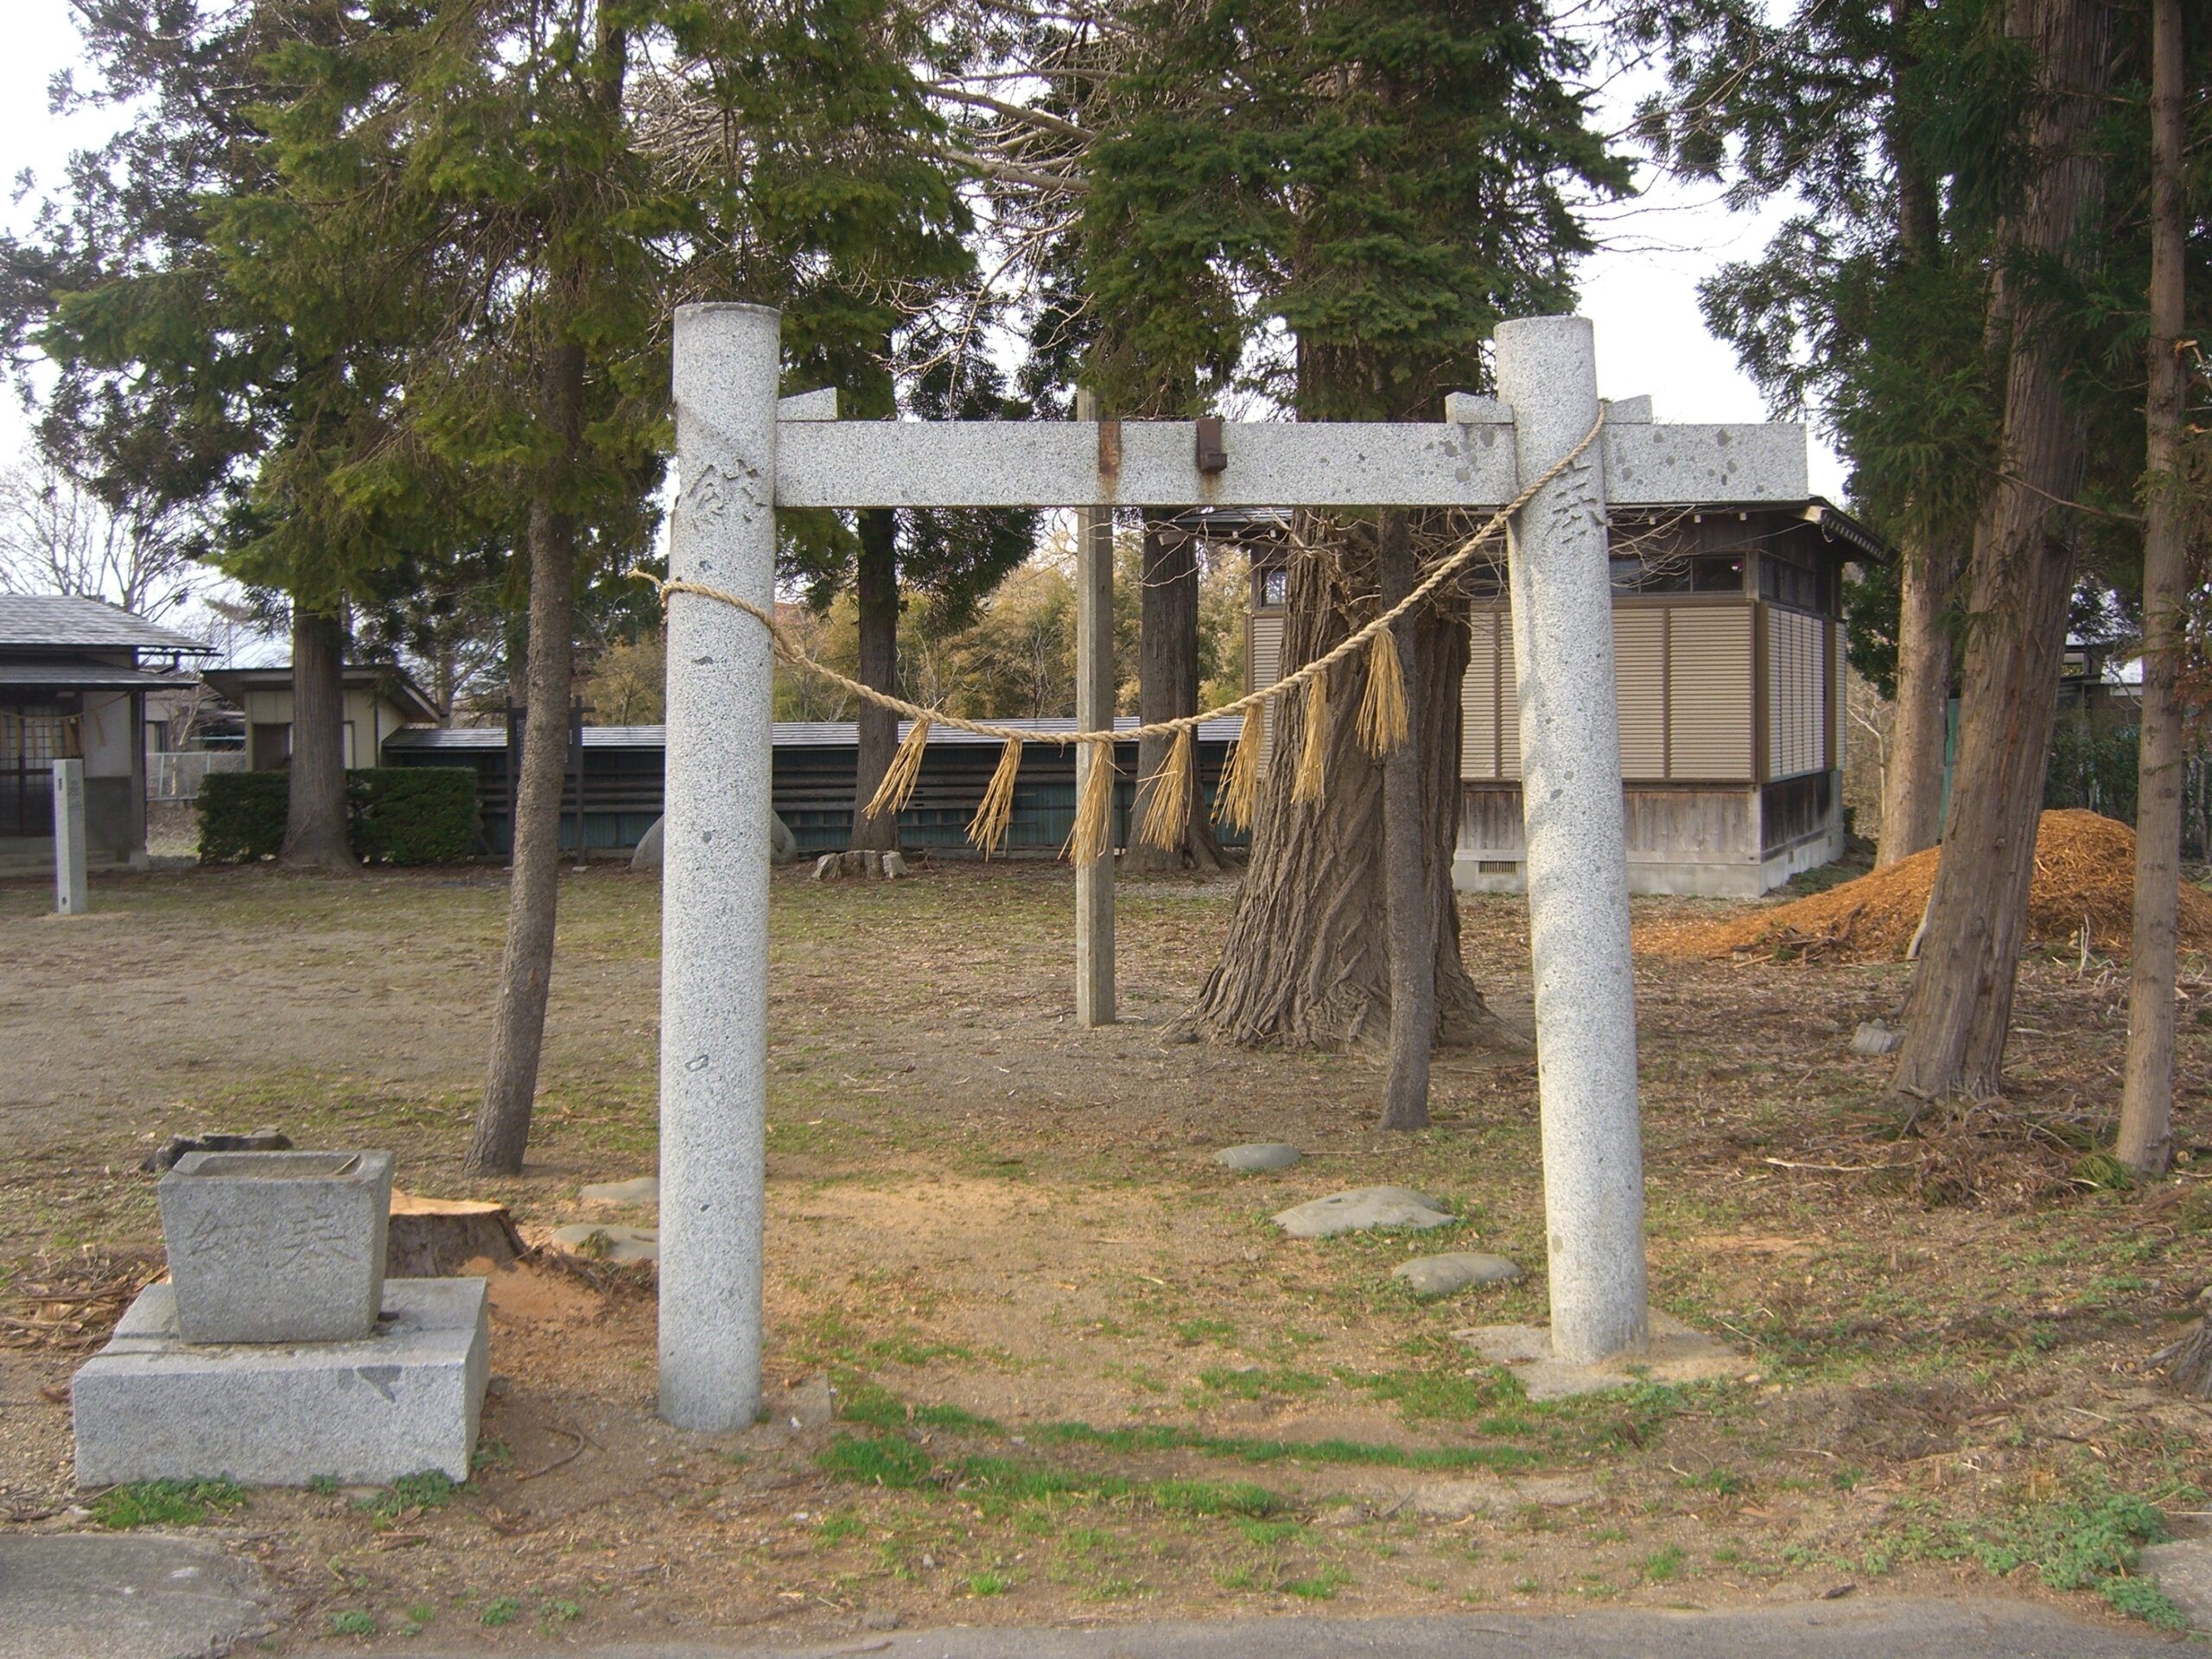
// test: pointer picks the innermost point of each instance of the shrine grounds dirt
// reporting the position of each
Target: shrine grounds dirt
(1078, 1375)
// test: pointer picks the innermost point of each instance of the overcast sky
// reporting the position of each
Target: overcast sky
(1642, 295)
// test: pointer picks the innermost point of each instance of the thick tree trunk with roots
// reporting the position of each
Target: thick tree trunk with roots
(1912, 785)
(315, 821)
(1168, 685)
(875, 587)
(533, 886)
(2021, 579)
(1307, 960)
(2146, 1142)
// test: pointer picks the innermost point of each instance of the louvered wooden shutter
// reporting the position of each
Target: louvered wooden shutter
(1709, 693)
(1262, 668)
(1639, 689)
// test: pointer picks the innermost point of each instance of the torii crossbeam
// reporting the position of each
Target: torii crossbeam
(739, 460)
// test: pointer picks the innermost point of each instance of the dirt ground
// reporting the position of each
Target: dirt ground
(1078, 1376)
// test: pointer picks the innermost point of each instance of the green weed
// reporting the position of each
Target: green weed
(1434, 1396)
(1256, 1383)
(165, 1504)
(353, 1621)
(2088, 1544)
(431, 1489)
(1321, 1587)
(1197, 1330)
(891, 1461)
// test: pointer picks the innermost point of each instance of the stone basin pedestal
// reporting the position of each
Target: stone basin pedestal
(279, 1353)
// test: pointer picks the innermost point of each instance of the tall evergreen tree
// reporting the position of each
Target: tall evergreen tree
(186, 373)
(1868, 306)
(551, 181)
(1963, 302)
(1335, 204)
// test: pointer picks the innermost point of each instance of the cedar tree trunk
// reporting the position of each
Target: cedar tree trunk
(314, 822)
(1307, 960)
(2020, 580)
(1168, 685)
(1912, 785)
(533, 886)
(2146, 1142)
(1408, 856)
(875, 586)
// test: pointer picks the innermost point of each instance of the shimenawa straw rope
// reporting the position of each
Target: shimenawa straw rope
(1239, 788)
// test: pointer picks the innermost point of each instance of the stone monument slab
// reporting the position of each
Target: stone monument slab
(151, 1406)
(277, 1246)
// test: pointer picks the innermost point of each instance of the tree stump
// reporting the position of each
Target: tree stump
(434, 1238)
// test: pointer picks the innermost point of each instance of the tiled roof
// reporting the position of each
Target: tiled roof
(49, 619)
(18, 674)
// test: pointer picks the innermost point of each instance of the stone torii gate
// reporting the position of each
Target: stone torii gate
(740, 458)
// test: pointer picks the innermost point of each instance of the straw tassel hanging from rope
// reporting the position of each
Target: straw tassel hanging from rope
(1238, 793)
(987, 831)
(1093, 835)
(1312, 755)
(902, 774)
(1167, 814)
(1383, 709)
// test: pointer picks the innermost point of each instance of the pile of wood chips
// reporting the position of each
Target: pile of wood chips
(69, 1303)
(2085, 877)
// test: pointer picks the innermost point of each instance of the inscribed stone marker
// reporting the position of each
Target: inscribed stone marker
(69, 891)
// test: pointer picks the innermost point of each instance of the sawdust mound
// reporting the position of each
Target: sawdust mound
(2085, 868)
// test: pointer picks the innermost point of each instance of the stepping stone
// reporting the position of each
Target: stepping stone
(1360, 1210)
(2184, 1571)
(134, 1597)
(1257, 1157)
(1431, 1276)
(620, 1245)
(645, 1189)
(1456, 1500)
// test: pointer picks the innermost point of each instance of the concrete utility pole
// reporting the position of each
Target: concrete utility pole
(1094, 711)
(70, 897)
(1559, 577)
(713, 996)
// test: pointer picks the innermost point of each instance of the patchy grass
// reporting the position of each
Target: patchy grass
(1072, 1357)
(165, 1504)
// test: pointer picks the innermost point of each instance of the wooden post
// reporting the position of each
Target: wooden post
(1094, 709)
(577, 770)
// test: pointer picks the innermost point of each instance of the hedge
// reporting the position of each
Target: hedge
(242, 815)
(412, 815)
(395, 814)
